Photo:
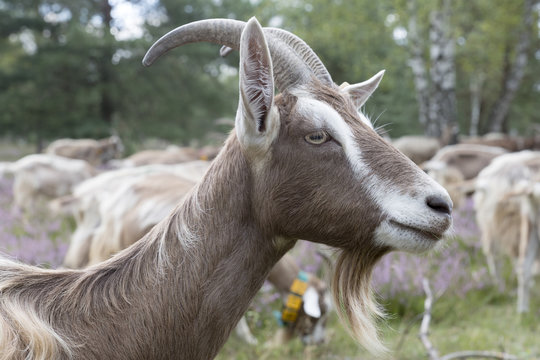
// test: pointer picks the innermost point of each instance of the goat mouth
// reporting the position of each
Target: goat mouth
(424, 233)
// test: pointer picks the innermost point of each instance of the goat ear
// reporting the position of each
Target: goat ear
(360, 92)
(254, 119)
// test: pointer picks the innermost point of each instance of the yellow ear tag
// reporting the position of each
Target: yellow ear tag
(294, 302)
(289, 316)
(298, 287)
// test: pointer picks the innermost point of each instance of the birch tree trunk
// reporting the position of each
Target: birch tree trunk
(105, 65)
(418, 65)
(477, 80)
(435, 88)
(442, 110)
(511, 82)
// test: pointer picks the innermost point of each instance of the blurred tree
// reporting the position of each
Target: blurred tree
(515, 63)
(435, 93)
(68, 69)
(481, 32)
(72, 67)
(356, 39)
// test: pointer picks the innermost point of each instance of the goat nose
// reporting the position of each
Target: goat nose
(439, 204)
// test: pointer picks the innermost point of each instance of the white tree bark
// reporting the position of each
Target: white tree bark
(424, 327)
(430, 348)
(418, 65)
(475, 86)
(435, 88)
(513, 80)
(442, 112)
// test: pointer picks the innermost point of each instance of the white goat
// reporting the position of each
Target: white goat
(171, 155)
(96, 152)
(43, 177)
(506, 205)
(528, 263)
(100, 202)
(417, 148)
(456, 166)
(301, 164)
(505, 141)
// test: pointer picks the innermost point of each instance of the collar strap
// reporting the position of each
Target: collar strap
(289, 314)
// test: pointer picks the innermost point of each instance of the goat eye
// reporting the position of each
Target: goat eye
(318, 137)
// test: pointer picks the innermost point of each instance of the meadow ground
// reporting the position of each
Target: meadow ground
(469, 313)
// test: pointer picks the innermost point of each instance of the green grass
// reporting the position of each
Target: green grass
(482, 320)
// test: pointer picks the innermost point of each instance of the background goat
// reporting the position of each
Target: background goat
(96, 152)
(417, 148)
(505, 218)
(455, 167)
(44, 177)
(171, 155)
(180, 290)
(505, 141)
(100, 201)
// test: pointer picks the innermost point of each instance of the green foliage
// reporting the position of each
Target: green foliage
(354, 39)
(78, 81)
(62, 73)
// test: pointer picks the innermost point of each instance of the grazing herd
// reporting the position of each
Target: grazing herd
(169, 248)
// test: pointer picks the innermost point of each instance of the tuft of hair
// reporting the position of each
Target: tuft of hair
(24, 332)
(353, 297)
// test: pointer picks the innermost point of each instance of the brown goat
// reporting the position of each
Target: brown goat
(301, 164)
(127, 215)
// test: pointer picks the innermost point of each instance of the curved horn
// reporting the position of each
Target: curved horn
(300, 48)
(305, 52)
(294, 62)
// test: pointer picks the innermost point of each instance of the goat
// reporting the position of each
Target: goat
(417, 148)
(95, 201)
(96, 152)
(528, 262)
(43, 177)
(133, 210)
(456, 166)
(171, 155)
(510, 143)
(308, 318)
(502, 216)
(301, 164)
(310, 321)
(127, 215)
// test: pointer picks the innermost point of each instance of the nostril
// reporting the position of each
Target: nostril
(439, 204)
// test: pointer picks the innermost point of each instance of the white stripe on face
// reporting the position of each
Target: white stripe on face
(325, 117)
(398, 205)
